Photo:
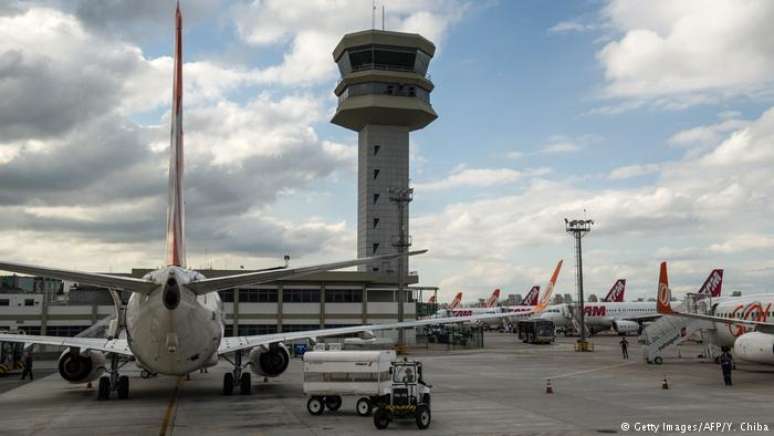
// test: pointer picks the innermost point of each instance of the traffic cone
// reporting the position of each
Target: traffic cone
(665, 385)
(549, 387)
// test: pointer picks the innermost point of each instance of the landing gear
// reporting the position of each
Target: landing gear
(230, 379)
(113, 381)
(245, 386)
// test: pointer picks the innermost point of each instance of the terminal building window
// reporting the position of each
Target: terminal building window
(29, 302)
(258, 296)
(301, 296)
(65, 330)
(343, 295)
(32, 330)
(299, 327)
(227, 296)
(256, 329)
(5, 302)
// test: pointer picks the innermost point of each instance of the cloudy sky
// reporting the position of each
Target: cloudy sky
(655, 118)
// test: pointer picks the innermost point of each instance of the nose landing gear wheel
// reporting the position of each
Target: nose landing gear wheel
(123, 387)
(363, 407)
(103, 391)
(333, 402)
(245, 385)
(228, 383)
(315, 406)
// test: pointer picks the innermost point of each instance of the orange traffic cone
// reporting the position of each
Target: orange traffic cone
(549, 387)
(665, 385)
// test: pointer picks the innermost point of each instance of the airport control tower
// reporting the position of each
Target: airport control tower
(384, 94)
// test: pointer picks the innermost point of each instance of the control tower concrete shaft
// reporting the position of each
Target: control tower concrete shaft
(384, 94)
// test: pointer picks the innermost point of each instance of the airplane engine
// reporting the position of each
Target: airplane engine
(81, 367)
(626, 327)
(271, 362)
(755, 347)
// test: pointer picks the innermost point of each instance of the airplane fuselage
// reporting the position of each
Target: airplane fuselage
(173, 331)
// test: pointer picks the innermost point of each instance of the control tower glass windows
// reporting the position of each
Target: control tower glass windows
(382, 58)
(397, 89)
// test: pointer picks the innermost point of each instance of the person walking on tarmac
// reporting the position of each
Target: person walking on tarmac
(27, 362)
(625, 348)
(726, 365)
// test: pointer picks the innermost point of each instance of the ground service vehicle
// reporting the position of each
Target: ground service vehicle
(537, 331)
(329, 375)
(408, 396)
(10, 357)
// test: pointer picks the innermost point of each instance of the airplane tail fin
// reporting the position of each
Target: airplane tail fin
(532, 297)
(663, 303)
(713, 285)
(616, 293)
(456, 301)
(431, 300)
(175, 243)
(492, 300)
(546, 299)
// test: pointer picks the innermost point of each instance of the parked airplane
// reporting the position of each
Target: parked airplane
(624, 317)
(741, 323)
(616, 293)
(492, 300)
(173, 323)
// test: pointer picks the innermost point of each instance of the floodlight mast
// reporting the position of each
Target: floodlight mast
(401, 242)
(579, 229)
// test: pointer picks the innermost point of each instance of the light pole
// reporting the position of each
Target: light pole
(579, 229)
(401, 242)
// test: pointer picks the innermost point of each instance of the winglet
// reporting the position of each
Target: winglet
(546, 299)
(663, 304)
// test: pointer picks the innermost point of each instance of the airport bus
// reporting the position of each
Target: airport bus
(537, 331)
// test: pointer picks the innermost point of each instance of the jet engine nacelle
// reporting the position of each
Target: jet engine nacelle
(269, 362)
(755, 347)
(81, 367)
(626, 327)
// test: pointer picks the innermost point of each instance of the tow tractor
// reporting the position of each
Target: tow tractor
(10, 356)
(407, 397)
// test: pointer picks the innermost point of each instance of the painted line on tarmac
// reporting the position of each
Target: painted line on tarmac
(587, 371)
(169, 414)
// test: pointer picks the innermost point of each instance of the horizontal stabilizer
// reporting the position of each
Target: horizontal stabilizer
(253, 278)
(101, 280)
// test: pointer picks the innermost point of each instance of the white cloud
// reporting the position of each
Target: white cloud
(688, 52)
(707, 135)
(561, 147)
(571, 26)
(629, 171)
(472, 177)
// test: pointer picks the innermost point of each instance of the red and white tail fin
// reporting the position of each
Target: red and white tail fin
(175, 246)
(713, 285)
(663, 303)
(616, 293)
(492, 300)
(457, 300)
(532, 297)
(546, 299)
(431, 300)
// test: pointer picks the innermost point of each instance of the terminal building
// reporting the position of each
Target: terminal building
(384, 94)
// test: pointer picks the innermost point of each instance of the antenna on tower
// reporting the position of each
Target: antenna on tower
(382, 17)
(373, 14)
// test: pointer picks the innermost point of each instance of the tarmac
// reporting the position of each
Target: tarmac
(500, 390)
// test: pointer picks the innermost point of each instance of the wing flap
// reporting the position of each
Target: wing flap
(102, 280)
(119, 346)
(252, 278)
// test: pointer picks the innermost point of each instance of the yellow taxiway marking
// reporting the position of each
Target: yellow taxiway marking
(587, 371)
(170, 408)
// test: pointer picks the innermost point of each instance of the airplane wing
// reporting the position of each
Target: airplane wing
(118, 346)
(219, 283)
(101, 280)
(664, 307)
(230, 344)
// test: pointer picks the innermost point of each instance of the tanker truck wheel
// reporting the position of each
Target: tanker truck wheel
(315, 406)
(363, 407)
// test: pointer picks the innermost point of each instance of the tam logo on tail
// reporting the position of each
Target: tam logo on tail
(431, 300)
(456, 301)
(713, 285)
(492, 300)
(616, 293)
(532, 297)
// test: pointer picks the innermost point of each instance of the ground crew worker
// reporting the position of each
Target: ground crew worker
(625, 348)
(726, 365)
(27, 362)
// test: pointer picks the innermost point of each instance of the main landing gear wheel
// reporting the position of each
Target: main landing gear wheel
(315, 406)
(381, 418)
(658, 360)
(423, 417)
(123, 387)
(103, 391)
(245, 385)
(363, 407)
(228, 383)
(333, 402)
